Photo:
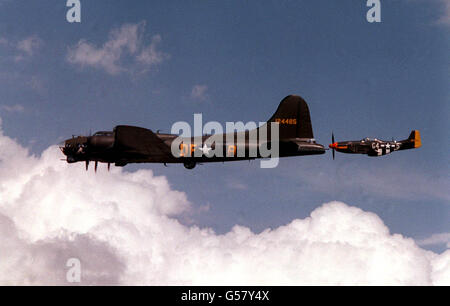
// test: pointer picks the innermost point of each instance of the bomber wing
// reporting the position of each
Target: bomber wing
(139, 141)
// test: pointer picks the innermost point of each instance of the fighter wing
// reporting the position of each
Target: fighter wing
(139, 141)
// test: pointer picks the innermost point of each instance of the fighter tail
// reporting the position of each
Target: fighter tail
(413, 141)
(414, 137)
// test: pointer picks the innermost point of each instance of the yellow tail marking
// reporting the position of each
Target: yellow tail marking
(417, 140)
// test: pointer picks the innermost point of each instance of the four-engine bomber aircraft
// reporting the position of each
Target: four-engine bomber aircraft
(129, 144)
(376, 147)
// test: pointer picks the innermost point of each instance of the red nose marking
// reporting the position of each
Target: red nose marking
(333, 145)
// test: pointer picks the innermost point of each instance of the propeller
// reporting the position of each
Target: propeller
(87, 165)
(96, 165)
(332, 141)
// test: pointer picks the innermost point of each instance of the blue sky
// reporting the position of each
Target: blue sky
(360, 79)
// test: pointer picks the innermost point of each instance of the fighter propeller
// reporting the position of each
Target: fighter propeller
(332, 146)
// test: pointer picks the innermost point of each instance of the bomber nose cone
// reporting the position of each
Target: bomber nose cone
(62, 146)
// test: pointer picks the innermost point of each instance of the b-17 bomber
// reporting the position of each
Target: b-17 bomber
(130, 144)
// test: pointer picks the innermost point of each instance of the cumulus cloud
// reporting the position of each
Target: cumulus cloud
(27, 47)
(22, 49)
(445, 18)
(436, 239)
(16, 108)
(37, 84)
(199, 93)
(123, 228)
(236, 185)
(125, 43)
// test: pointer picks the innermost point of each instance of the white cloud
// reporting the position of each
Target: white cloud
(149, 55)
(237, 185)
(128, 41)
(123, 228)
(37, 85)
(27, 47)
(445, 18)
(16, 108)
(22, 49)
(436, 239)
(199, 92)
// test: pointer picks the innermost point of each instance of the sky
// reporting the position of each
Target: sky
(152, 64)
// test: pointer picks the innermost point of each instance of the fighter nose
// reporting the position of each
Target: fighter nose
(333, 145)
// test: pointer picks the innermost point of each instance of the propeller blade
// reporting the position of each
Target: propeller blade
(332, 141)
(109, 166)
(96, 165)
(87, 165)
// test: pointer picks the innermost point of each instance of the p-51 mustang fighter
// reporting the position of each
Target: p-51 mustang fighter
(129, 144)
(376, 147)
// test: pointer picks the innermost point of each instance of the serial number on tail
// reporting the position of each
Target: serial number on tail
(292, 121)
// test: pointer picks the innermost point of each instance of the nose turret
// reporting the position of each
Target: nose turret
(84, 148)
(74, 148)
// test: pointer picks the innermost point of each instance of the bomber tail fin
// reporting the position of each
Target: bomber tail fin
(294, 118)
